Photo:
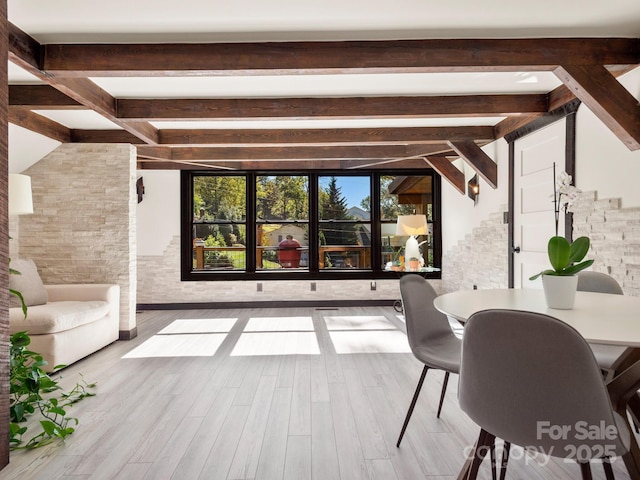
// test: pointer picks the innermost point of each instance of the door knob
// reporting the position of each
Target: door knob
(515, 249)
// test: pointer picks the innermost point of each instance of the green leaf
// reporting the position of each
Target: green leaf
(559, 252)
(579, 249)
(49, 427)
(573, 269)
(544, 272)
(20, 339)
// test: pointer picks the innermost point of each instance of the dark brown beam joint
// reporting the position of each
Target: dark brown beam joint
(479, 161)
(599, 90)
(448, 171)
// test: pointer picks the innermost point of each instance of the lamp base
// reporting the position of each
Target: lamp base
(411, 249)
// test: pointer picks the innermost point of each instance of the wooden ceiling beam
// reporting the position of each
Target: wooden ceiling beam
(448, 171)
(435, 55)
(511, 124)
(103, 136)
(478, 160)
(25, 118)
(336, 136)
(613, 104)
(282, 165)
(332, 107)
(25, 52)
(41, 97)
(390, 152)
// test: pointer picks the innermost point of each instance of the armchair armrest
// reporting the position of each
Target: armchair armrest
(86, 291)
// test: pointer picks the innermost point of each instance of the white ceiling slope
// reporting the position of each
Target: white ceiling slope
(283, 20)
(127, 21)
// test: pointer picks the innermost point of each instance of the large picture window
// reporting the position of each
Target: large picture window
(313, 225)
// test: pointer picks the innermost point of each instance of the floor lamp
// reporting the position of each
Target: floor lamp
(20, 199)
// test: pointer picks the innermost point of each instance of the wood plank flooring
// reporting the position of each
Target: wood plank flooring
(265, 394)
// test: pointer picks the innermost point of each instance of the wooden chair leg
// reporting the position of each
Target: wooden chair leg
(505, 460)
(444, 390)
(585, 469)
(608, 471)
(484, 443)
(413, 404)
(492, 455)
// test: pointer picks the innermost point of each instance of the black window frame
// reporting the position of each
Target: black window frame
(313, 272)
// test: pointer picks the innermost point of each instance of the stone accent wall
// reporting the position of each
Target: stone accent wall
(159, 282)
(83, 229)
(480, 259)
(615, 238)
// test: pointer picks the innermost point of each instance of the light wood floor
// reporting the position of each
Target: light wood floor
(265, 394)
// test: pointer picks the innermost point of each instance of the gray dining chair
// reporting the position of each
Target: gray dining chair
(607, 356)
(523, 375)
(430, 336)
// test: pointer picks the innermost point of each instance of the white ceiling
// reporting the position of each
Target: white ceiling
(120, 21)
(65, 21)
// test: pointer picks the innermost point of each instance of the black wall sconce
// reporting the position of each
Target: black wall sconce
(140, 189)
(473, 188)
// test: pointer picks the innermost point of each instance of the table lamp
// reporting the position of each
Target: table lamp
(411, 225)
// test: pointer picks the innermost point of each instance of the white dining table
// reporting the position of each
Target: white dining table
(598, 317)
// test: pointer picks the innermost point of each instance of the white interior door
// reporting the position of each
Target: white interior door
(534, 221)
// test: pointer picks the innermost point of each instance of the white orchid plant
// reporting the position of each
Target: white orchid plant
(566, 258)
(564, 195)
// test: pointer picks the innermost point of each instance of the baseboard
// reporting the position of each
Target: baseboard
(128, 334)
(266, 304)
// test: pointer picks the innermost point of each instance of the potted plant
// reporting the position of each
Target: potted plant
(414, 264)
(560, 282)
(567, 258)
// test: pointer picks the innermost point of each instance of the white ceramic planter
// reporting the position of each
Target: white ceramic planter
(560, 291)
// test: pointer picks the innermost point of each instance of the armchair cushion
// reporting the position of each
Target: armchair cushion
(28, 283)
(57, 316)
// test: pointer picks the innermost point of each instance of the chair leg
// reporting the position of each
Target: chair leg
(444, 390)
(585, 469)
(484, 443)
(413, 404)
(492, 457)
(608, 471)
(505, 460)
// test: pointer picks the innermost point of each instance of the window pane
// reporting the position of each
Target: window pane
(282, 197)
(220, 247)
(282, 246)
(219, 232)
(344, 198)
(345, 245)
(404, 195)
(219, 198)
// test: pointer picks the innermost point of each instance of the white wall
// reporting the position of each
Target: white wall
(159, 211)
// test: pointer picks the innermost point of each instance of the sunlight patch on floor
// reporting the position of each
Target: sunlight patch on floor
(276, 343)
(279, 324)
(185, 345)
(391, 341)
(199, 325)
(358, 322)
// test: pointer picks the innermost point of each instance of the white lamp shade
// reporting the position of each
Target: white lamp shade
(20, 200)
(411, 225)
